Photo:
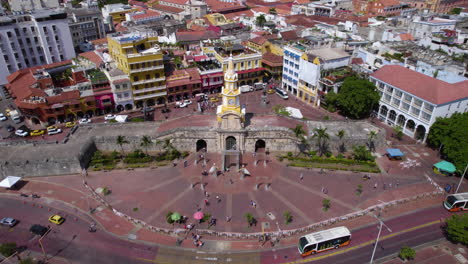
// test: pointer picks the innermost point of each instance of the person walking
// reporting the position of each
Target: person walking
(218, 198)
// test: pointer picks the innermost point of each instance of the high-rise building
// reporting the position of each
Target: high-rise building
(31, 5)
(27, 40)
(139, 56)
(85, 25)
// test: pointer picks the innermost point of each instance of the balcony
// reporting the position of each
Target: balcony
(149, 81)
(151, 89)
(152, 68)
(143, 97)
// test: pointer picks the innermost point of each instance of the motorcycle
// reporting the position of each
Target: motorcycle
(24, 195)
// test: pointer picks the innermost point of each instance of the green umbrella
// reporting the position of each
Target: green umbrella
(176, 216)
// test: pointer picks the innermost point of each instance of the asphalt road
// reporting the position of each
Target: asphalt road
(73, 242)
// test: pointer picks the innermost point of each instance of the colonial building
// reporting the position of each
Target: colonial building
(28, 40)
(413, 101)
(183, 84)
(140, 57)
(211, 73)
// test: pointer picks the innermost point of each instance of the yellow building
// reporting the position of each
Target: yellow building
(140, 57)
(230, 115)
(217, 19)
(117, 12)
(246, 61)
(262, 45)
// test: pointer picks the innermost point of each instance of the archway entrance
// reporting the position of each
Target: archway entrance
(201, 144)
(260, 145)
(420, 133)
(35, 121)
(231, 143)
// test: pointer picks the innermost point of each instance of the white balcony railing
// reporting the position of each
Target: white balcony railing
(158, 67)
(155, 95)
(150, 89)
(149, 81)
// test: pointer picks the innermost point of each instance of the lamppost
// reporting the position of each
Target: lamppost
(461, 178)
(42, 246)
(378, 236)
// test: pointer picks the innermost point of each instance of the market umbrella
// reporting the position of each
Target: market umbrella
(198, 215)
(175, 216)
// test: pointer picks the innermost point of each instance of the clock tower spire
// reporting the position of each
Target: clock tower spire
(230, 114)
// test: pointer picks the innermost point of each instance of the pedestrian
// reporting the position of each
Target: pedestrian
(206, 194)
(206, 202)
(228, 219)
(385, 186)
(375, 186)
(254, 204)
(231, 181)
(218, 198)
(301, 177)
(254, 154)
(251, 203)
(323, 189)
(390, 185)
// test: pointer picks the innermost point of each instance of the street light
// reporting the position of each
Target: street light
(378, 236)
(461, 178)
(42, 246)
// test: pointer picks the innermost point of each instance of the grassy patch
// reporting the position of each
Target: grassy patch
(333, 163)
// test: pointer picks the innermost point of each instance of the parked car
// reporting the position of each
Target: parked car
(70, 124)
(84, 121)
(271, 91)
(37, 132)
(109, 117)
(38, 230)
(8, 221)
(21, 133)
(54, 131)
(56, 219)
(3, 117)
(51, 128)
(185, 103)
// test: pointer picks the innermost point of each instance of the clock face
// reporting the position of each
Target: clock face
(231, 101)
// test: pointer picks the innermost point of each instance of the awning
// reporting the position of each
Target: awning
(105, 97)
(445, 166)
(395, 152)
(9, 181)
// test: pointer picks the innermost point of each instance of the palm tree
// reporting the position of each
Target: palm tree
(272, 11)
(322, 137)
(260, 20)
(370, 137)
(340, 135)
(299, 132)
(146, 142)
(120, 141)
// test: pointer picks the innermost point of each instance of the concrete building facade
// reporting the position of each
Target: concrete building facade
(85, 25)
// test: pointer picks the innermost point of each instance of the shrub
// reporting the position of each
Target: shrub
(326, 118)
(108, 167)
(325, 204)
(135, 209)
(137, 119)
(456, 229)
(185, 154)
(328, 154)
(312, 153)
(106, 191)
(115, 155)
(7, 249)
(340, 156)
(287, 217)
(290, 154)
(407, 253)
(206, 218)
(250, 219)
(359, 190)
(112, 121)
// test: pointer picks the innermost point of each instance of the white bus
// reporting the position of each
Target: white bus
(281, 94)
(456, 202)
(324, 240)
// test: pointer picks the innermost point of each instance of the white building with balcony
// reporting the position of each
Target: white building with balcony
(28, 40)
(413, 100)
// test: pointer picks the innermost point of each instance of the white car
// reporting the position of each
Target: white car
(3, 117)
(85, 121)
(109, 117)
(54, 131)
(21, 133)
(185, 103)
(8, 221)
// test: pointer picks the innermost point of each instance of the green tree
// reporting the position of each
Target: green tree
(361, 153)
(341, 134)
(457, 228)
(370, 140)
(325, 204)
(250, 219)
(287, 217)
(260, 20)
(7, 249)
(455, 11)
(322, 137)
(407, 253)
(398, 132)
(452, 134)
(357, 98)
(146, 143)
(331, 101)
(27, 261)
(121, 140)
(273, 11)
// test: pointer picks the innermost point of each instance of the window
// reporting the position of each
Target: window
(396, 102)
(405, 106)
(426, 116)
(135, 79)
(381, 85)
(9, 34)
(389, 89)
(415, 111)
(398, 93)
(428, 108)
(387, 97)
(417, 102)
(147, 76)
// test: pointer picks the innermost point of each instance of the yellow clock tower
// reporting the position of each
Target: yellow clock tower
(230, 114)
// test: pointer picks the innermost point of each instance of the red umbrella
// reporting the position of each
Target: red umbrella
(198, 215)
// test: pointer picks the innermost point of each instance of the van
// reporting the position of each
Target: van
(281, 94)
(259, 86)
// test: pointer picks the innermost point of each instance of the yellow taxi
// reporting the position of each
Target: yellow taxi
(7, 112)
(214, 99)
(49, 128)
(70, 124)
(56, 219)
(271, 91)
(37, 132)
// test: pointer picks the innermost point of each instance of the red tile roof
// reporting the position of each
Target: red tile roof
(65, 96)
(300, 20)
(217, 6)
(421, 85)
(168, 9)
(280, 10)
(149, 13)
(406, 36)
(196, 35)
(183, 77)
(93, 57)
(247, 13)
(119, 28)
(289, 35)
(179, 2)
(258, 40)
(272, 59)
(357, 61)
(99, 41)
